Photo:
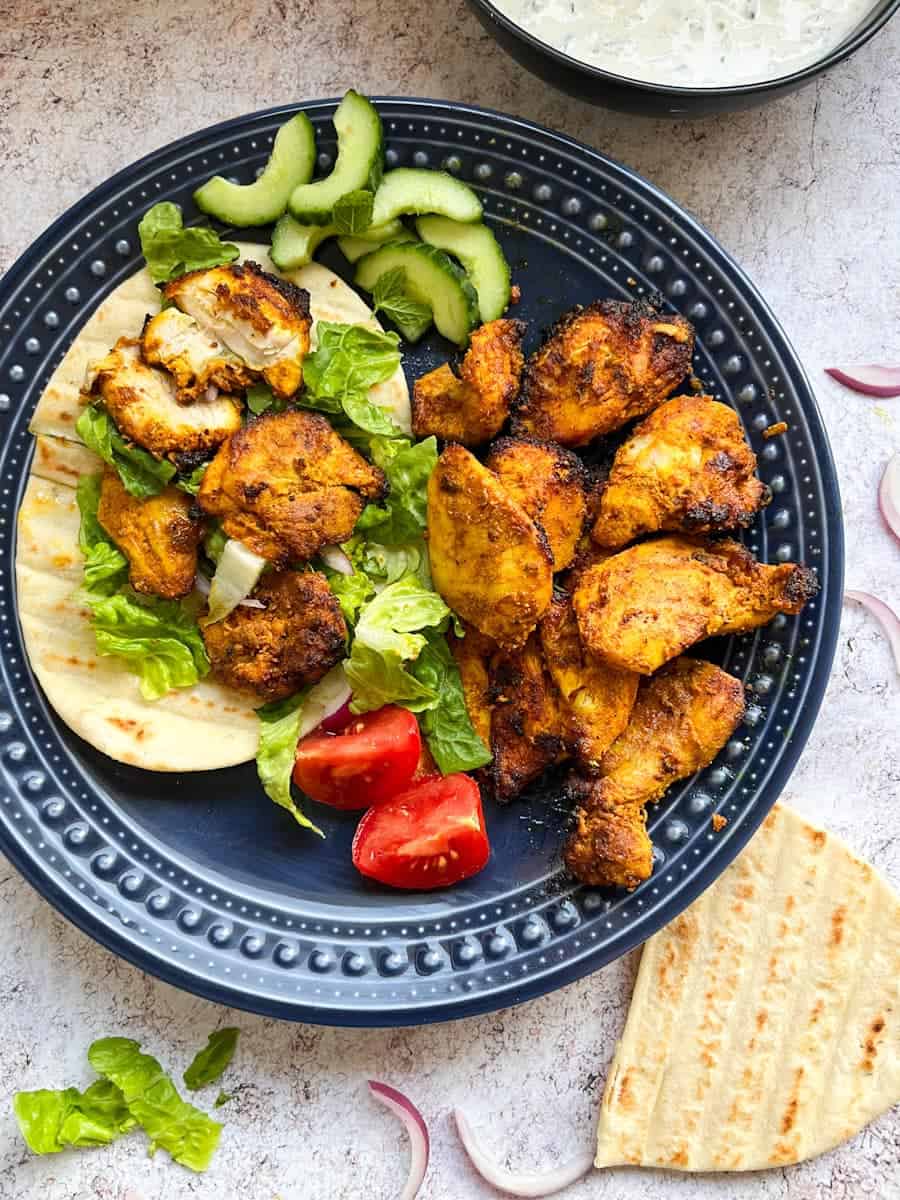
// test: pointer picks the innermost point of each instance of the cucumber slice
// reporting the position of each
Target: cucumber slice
(418, 190)
(359, 163)
(293, 244)
(479, 252)
(431, 278)
(353, 248)
(290, 164)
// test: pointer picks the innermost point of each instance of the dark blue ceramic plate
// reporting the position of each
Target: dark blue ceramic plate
(198, 878)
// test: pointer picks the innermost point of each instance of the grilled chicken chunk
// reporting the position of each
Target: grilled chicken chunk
(527, 726)
(597, 699)
(473, 408)
(489, 560)
(681, 719)
(642, 606)
(274, 651)
(287, 484)
(550, 483)
(686, 467)
(195, 357)
(157, 536)
(261, 319)
(473, 653)
(601, 367)
(143, 403)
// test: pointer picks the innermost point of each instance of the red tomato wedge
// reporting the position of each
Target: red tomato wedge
(372, 758)
(430, 836)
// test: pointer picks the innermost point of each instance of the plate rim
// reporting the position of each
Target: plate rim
(724, 852)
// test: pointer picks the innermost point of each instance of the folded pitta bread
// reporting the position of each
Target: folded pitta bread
(195, 729)
(765, 1022)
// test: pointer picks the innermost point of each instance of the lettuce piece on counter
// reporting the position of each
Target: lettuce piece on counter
(386, 639)
(152, 1099)
(52, 1120)
(172, 250)
(279, 733)
(105, 566)
(447, 727)
(210, 1062)
(142, 475)
(408, 466)
(158, 639)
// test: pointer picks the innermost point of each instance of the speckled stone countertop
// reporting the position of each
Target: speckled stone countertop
(804, 193)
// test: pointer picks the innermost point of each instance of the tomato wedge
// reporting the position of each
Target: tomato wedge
(427, 837)
(372, 758)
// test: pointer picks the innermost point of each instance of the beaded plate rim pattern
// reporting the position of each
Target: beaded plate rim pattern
(255, 950)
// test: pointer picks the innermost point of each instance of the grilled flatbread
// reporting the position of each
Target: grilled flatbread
(765, 1022)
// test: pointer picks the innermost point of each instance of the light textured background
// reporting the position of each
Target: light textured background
(805, 193)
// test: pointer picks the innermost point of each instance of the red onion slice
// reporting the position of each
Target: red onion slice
(889, 495)
(886, 618)
(339, 719)
(334, 557)
(520, 1183)
(870, 380)
(419, 1144)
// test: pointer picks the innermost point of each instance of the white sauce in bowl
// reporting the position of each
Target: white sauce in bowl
(691, 43)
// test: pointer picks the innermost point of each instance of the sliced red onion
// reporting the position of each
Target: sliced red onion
(871, 380)
(886, 618)
(202, 584)
(325, 698)
(889, 495)
(339, 719)
(212, 393)
(334, 557)
(520, 1183)
(419, 1146)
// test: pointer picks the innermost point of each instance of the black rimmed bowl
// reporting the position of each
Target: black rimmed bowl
(201, 880)
(587, 82)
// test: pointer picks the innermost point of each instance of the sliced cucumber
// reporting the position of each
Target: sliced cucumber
(431, 278)
(290, 164)
(354, 248)
(418, 190)
(293, 244)
(479, 252)
(359, 163)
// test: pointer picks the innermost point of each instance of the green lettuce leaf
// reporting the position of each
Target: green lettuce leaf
(214, 542)
(261, 399)
(188, 1134)
(408, 467)
(50, 1120)
(412, 318)
(279, 733)
(352, 213)
(352, 591)
(105, 566)
(158, 639)
(211, 1061)
(172, 250)
(369, 417)
(222, 1098)
(142, 475)
(448, 729)
(191, 483)
(386, 638)
(348, 360)
(387, 564)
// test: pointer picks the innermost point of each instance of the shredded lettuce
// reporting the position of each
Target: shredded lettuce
(188, 1134)
(279, 733)
(172, 250)
(408, 466)
(209, 1063)
(52, 1120)
(191, 483)
(142, 475)
(448, 729)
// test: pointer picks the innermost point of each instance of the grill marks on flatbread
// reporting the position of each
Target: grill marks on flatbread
(765, 1022)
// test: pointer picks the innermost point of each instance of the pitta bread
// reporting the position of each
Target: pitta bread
(765, 1022)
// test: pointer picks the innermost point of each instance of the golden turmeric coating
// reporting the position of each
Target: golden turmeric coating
(489, 560)
(262, 320)
(601, 367)
(290, 643)
(644, 605)
(157, 536)
(681, 719)
(287, 484)
(550, 483)
(685, 467)
(143, 403)
(197, 360)
(474, 407)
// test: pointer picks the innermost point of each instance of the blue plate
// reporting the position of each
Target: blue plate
(198, 878)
